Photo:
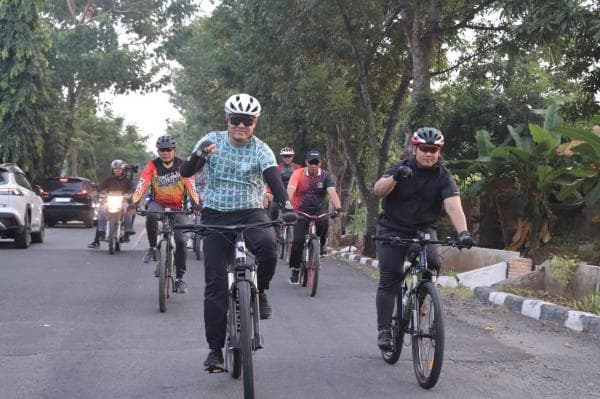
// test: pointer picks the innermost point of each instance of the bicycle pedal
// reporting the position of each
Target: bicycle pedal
(215, 369)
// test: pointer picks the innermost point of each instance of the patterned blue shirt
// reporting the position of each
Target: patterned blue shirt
(234, 175)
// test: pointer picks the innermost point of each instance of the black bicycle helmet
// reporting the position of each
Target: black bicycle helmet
(428, 135)
(165, 142)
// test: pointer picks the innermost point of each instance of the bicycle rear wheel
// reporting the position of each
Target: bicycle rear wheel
(312, 268)
(392, 356)
(246, 327)
(428, 341)
(163, 277)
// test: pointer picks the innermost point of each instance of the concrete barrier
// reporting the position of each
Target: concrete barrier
(484, 276)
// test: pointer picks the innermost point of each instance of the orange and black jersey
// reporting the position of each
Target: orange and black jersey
(167, 187)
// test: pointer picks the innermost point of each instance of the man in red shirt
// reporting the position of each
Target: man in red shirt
(168, 190)
(307, 189)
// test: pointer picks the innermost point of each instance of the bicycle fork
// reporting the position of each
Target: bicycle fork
(246, 273)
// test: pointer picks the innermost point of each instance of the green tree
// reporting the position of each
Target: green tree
(25, 91)
(89, 57)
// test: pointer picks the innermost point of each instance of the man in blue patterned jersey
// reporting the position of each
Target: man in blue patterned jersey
(237, 165)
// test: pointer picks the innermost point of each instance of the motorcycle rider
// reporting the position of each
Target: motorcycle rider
(118, 182)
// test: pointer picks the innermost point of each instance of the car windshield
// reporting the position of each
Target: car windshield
(63, 185)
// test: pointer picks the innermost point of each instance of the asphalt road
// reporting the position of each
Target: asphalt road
(80, 323)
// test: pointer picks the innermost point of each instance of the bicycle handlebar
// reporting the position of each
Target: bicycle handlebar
(205, 228)
(316, 217)
(167, 211)
(419, 240)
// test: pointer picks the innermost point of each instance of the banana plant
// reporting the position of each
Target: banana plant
(522, 177)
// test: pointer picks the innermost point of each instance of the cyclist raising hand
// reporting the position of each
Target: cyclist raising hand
(237, 165)
(415, 191)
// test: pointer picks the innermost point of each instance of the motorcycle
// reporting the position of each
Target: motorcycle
(115, 220)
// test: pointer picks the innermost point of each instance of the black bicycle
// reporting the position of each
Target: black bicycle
(311, 251)
(418, 311)
(284, 241)
(243, 318)
(165, 268)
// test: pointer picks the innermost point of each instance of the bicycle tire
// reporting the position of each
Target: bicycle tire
(233, 355)
(313, 266)
(246, 327)
(391, 357)
(198, 247)
(427, 364)
(163, 278)
(281, 242)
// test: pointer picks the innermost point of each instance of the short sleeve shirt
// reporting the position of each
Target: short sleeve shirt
(234, 175)
(310, 190)
(417, 201)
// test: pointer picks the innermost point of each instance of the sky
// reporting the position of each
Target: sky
(150, 112)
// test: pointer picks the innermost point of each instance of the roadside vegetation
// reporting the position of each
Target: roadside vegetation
(513, 85)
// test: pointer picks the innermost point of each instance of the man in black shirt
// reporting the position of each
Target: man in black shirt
(415, 191)
(118, 182)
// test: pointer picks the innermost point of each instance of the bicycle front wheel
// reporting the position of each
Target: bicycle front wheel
(428, 340)
(312, 268)
(233, 358)
(246, 327)
(163, 276)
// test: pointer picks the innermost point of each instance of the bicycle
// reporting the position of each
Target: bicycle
(165, 268)
(310, 264)
(418, 311)
(284, 241)
(243, 335)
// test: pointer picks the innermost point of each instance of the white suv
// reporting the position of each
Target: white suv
(21, 208)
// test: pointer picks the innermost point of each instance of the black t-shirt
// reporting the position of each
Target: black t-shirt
(417, 201)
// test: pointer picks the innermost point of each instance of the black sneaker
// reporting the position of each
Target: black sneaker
(150, 255)
(384, 340)
(323, 251)
(295, 276)
(214, 362)
(94, 245)
(263, 306)
(180, 286)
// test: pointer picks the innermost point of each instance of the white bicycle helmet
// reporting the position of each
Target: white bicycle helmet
(117, 163)
(287, 151)
(243, 104)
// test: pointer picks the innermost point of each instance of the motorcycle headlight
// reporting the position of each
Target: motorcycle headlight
(114, 203)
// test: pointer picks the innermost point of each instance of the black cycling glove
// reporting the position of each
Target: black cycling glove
(201, 152)
(465, 239)
(403, 172)
(288, 215)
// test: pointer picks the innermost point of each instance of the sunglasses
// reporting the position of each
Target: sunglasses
(286, 156)
(165, 149)
(235, 120)
(431, 149)
(313, 162)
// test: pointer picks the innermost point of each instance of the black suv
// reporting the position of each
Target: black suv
(69, 198)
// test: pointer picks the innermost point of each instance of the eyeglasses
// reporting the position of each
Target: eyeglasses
(431, 149)
(235, 120)
(314, 162)
(165, 149)
(286, 156)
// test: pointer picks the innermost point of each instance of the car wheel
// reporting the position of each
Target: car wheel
(38, 237)
(89, 221)
(23, 240)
